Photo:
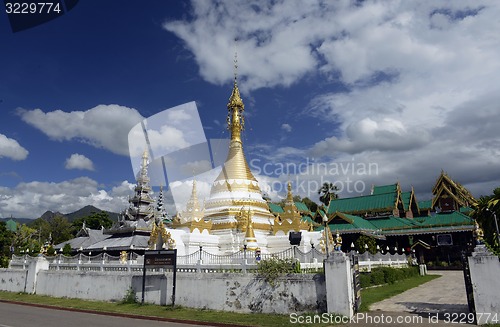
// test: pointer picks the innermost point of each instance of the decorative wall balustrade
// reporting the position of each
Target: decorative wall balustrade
(203, 261)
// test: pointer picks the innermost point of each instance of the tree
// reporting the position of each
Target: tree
(6, 237)
(26, 240)
(43, 228)
(484, 213)
(363, 240)
(66, 249)
(311, 205)
(60, 228)
(96, 220)
(327, 193)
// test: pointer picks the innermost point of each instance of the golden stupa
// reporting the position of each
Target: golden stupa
(236, 189)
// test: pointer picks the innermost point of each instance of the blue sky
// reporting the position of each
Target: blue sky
(411, 89)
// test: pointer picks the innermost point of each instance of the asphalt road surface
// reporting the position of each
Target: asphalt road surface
(15, 315)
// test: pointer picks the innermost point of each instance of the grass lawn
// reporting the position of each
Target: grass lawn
(376, 294)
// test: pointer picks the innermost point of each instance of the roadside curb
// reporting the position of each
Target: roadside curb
(125, 315)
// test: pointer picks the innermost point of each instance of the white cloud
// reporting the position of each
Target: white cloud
(104, 126)
(10, 148)
(79, 161)
(420, 79)
(31, 200)
(273, 41)
(388, 134)
(286, 127)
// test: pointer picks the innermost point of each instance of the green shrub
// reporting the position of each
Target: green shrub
(377, 277)
(51, 251)
(364, 280)
(296, 267)
(271, 269)
(387, 275)
(130, 297)
(4, 261)
(410, 272)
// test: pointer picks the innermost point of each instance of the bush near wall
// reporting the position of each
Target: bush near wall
(386, 275)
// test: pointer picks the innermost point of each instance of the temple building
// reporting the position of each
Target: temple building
(236, 216)
(438, 229)
(137, 226)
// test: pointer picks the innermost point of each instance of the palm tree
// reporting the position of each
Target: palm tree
(327, 193)
(485, 212)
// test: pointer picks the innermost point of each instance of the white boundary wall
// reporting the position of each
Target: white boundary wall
(13, 280)
(217, 291)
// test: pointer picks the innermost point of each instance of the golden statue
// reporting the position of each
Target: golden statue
(160, 238)
(123, 257)
(479, 234)
(338, 242)
(326, 243)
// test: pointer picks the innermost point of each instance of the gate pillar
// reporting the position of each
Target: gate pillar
(339, 284)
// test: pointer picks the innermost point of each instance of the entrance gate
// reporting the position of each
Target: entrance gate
(356, 283)
(468, 284)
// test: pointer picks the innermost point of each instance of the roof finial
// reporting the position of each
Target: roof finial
(235, 118)
(235, 67)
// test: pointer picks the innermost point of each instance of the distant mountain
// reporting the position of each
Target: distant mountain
(83, 212)
(48, 215)
(87, 211)
(72, 216)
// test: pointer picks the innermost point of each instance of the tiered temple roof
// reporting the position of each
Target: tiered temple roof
(450, 195)
(389, 211)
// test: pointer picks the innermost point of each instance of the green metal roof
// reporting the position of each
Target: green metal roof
(425, 205)
(301, 207)
(342, 221)
(362, 204)
(406, 198)
(382, 189)
(392, 222)
(275, 208)
(447, 219)
(440, 222)
(465, 210)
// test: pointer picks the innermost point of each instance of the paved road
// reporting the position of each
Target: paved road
(440, 302)
(14, 315)
(444, 294)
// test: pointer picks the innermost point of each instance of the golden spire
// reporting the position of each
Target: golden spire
(289, 195)
(235, 107)
(236, 166)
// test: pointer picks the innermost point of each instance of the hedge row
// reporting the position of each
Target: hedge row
(386, 275)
